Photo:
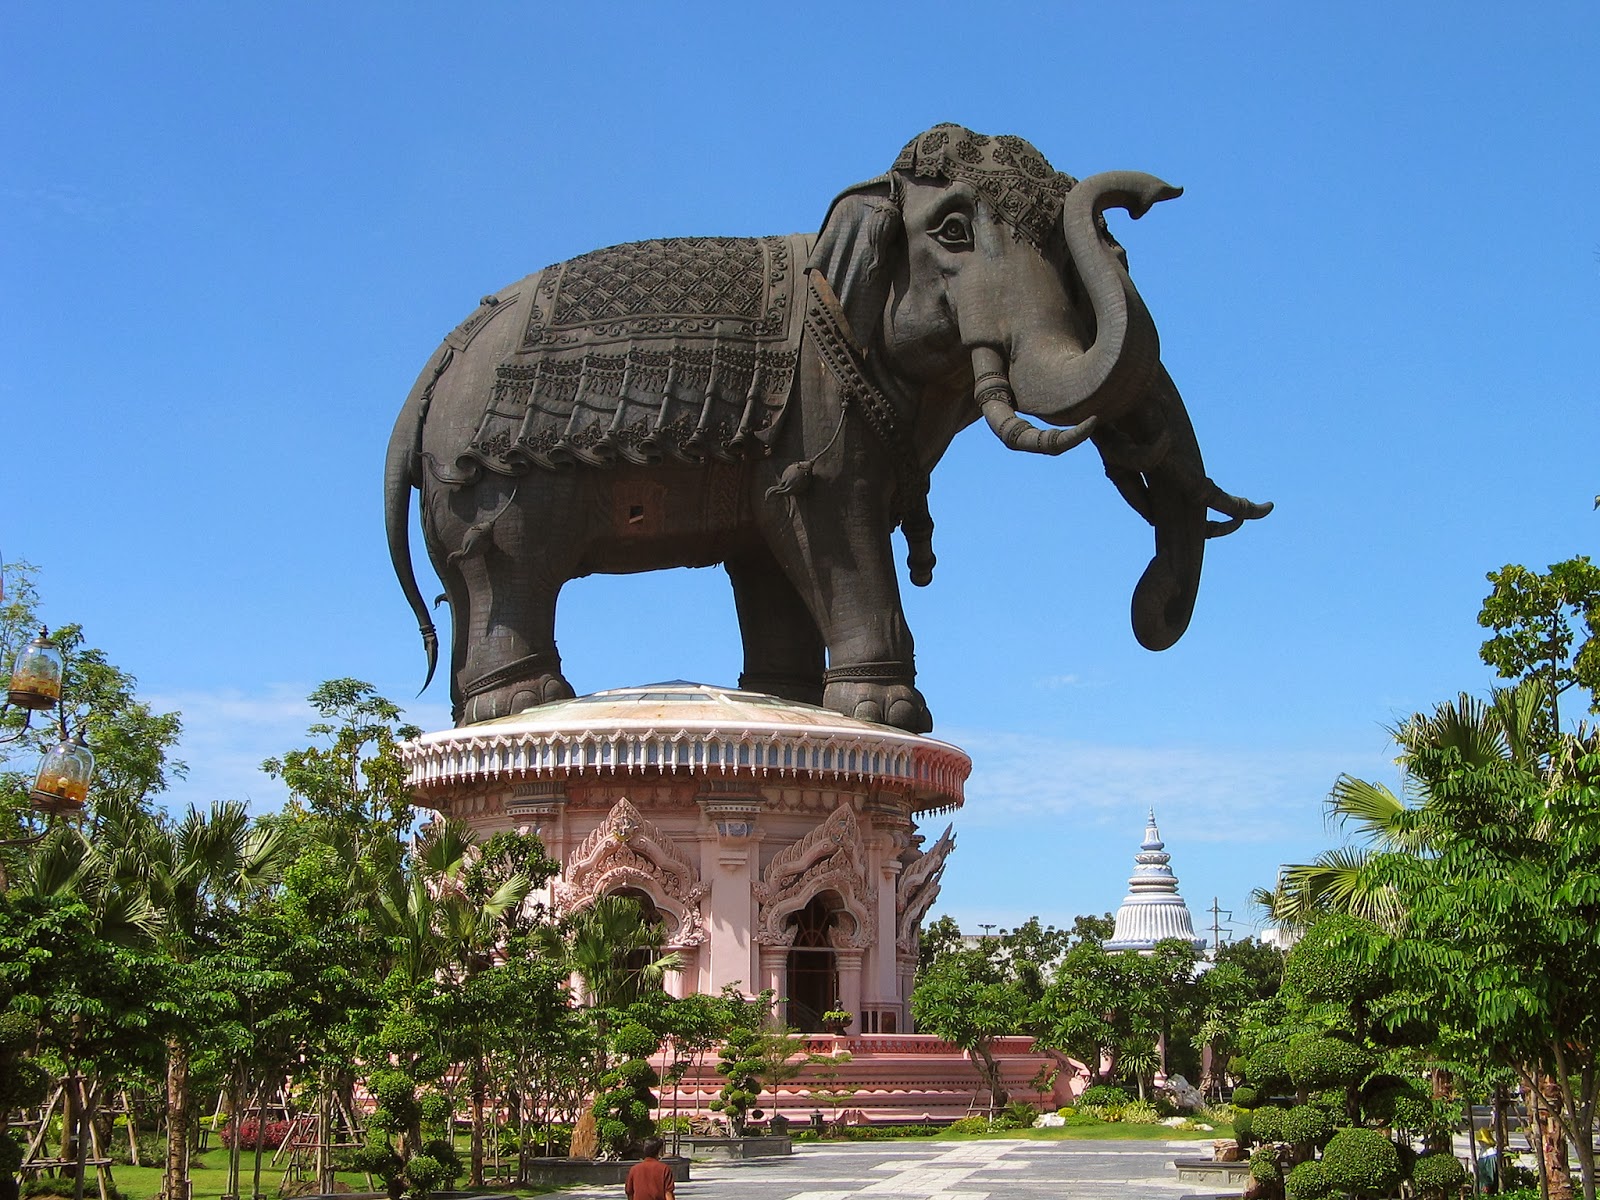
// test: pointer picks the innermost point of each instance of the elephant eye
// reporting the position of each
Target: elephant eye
(955, 232)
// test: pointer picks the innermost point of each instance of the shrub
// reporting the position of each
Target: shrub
(1245, 1096)
(1438, 1175)
(1306, 1125)
(1328, 964)
(1264, 1165)
(1103, 1095)
(425, 1174)
(1316, 1062)
(1363, 1162)
(435, 1108)
(1021, 1112)
(634, 1040)
(1138, 1112)
(396, 1098)
(968, 1125)
(1408, 1106)
(1308, 1181)
(1266, 1123)
(1266, 1068)
(268, 1135)
(1066, 1110)
(1244, 1126)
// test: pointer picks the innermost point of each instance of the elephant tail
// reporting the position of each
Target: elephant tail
(401, 474)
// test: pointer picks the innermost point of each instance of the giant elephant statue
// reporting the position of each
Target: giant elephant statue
(776, 405)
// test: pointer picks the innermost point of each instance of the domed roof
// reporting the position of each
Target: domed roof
(1152, 909)
(685, 727)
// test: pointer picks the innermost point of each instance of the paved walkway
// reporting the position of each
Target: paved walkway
(945, 1171)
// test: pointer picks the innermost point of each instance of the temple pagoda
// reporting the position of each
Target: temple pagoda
(1152, 909)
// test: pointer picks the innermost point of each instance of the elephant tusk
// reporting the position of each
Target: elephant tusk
(995, 399)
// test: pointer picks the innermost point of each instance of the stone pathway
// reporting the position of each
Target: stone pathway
(944, 1171)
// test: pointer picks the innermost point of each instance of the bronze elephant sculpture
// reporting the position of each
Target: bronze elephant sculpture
(776, 404)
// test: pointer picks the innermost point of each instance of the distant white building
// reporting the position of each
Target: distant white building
(1152, 909)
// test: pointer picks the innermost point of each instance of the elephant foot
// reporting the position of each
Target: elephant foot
(870, 693)
(513, 688)
(807, 689)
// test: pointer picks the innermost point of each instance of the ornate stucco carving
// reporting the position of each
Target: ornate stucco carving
(917, 889)
(829, 858)
(629, 850)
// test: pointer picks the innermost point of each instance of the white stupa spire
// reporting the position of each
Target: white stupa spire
(1152, 909)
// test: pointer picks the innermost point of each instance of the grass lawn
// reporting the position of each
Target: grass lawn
(208, 1172)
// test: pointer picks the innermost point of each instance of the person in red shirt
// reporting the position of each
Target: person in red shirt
(650, 1179)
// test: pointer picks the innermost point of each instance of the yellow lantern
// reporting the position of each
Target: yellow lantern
(62, 784)
(36, 678)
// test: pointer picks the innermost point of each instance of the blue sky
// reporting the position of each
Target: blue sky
(230, 235)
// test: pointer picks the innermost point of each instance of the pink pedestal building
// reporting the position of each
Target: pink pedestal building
(777, 842)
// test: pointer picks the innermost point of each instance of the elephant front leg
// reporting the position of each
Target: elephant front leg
(836, 550)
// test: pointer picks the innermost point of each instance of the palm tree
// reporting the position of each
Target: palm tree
(191, 872)
(617, 953)
(1501, 731)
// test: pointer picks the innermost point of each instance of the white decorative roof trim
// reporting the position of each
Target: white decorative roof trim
(934, 770)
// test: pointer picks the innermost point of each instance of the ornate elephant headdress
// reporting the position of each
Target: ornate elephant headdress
(1023, 188)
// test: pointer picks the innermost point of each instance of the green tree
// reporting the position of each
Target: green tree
(966, 998)
(1545, 627)
(936, 938)
(352, 776)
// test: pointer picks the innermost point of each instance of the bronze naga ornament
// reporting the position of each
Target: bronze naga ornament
(776, 404)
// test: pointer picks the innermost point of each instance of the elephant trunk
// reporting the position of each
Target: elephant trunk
(1053, 380)
(1152, 456)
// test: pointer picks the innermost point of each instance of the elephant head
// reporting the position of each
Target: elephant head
(974, 267)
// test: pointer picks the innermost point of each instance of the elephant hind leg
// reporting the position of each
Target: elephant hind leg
(784, 653)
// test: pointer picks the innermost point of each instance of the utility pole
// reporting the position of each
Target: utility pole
(1217, 913)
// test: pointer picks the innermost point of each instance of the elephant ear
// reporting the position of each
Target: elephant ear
(855, 252)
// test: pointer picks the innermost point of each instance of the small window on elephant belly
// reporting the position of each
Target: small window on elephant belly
(638, 509)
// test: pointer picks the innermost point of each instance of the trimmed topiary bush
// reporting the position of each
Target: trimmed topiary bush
(1104, 1095)
(1244, 1126)
(1316, 1062)
(1308, 1181)
(1266, 1068)
(1264, 1165)
(1362, 1162)
(1438, 1175)
(1267, 1124)
(1306, 1125)
(1245, 1096)
(1329, 962)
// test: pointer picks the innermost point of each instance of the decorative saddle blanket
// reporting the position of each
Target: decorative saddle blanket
(681, 348)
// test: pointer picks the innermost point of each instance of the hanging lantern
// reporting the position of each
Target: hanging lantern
(36, 678)
(62, 784)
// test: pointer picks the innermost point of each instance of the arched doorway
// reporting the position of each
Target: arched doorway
(813, 967)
